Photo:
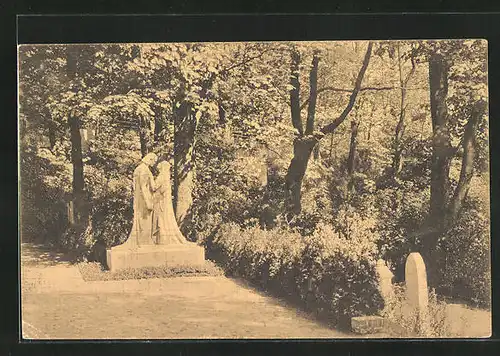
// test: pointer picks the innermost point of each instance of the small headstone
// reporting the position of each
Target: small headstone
(86, 135)
(262, 172)
(417, 293)
(385, 276)
(71, 212)
(416, 281)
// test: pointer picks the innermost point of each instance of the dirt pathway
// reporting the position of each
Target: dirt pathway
(58, 304)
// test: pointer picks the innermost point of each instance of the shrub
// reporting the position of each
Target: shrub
(326, 272)
(402, 211)
(465, 258)
(342, 270)
(93, 271)
(45, 183)
(112, 211)
(405, 322)
(110, 217)
(227, 188)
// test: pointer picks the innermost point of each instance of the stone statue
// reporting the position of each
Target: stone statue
(144, 186)
(166, 230)
(155, 239)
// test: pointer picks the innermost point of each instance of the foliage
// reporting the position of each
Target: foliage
(45, 181)
(405, 322)
(336, 272)
(94, 271)
(465, 255)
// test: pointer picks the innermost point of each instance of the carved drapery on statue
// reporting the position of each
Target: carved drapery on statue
(154, 218)
(166, 230)
(142, 226)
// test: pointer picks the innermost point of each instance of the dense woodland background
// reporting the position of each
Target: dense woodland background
(297, 165)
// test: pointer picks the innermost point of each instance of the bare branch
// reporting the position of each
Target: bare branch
(350, 91)
(245, 61)
(295, 92)
(333, 125)
(313, 94)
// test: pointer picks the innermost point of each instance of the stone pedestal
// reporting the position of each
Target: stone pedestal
(367, 324)
(118, 258)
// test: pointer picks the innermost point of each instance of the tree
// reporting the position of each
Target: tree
(458, 66)
(305, 142)
(397, 161)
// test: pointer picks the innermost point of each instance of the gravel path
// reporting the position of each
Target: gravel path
(58, 304)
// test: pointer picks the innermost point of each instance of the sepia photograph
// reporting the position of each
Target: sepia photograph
(254, 190)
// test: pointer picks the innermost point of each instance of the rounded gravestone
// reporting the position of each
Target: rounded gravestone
(416, 281)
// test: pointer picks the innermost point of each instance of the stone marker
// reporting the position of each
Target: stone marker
(385, 277)
(71, 212)
(367, 324)
(417, 293)
(86, 135)
(155, 239)
(416, 281)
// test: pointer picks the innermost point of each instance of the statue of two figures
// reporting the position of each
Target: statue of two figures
(154, 219)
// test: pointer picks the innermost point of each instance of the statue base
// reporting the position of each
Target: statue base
(190, 254)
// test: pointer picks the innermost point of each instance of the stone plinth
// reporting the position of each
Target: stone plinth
(118, 258)
(367, 324)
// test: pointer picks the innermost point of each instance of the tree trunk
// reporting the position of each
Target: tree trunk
(313, 94)
(303, 146)
(51, 129)
(146, 136)
(76, 156)
(74, 124)
(79, 203)
(184, 140)
(302, 149)
(332, 126)
(397, 161)
(442, 154)
(222, 115)
(441, 142)
(143, 139)
(159, 124)
(295, 92)
(467, 169)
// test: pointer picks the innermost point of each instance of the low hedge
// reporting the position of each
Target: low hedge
(94, 271)
(329, 274)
